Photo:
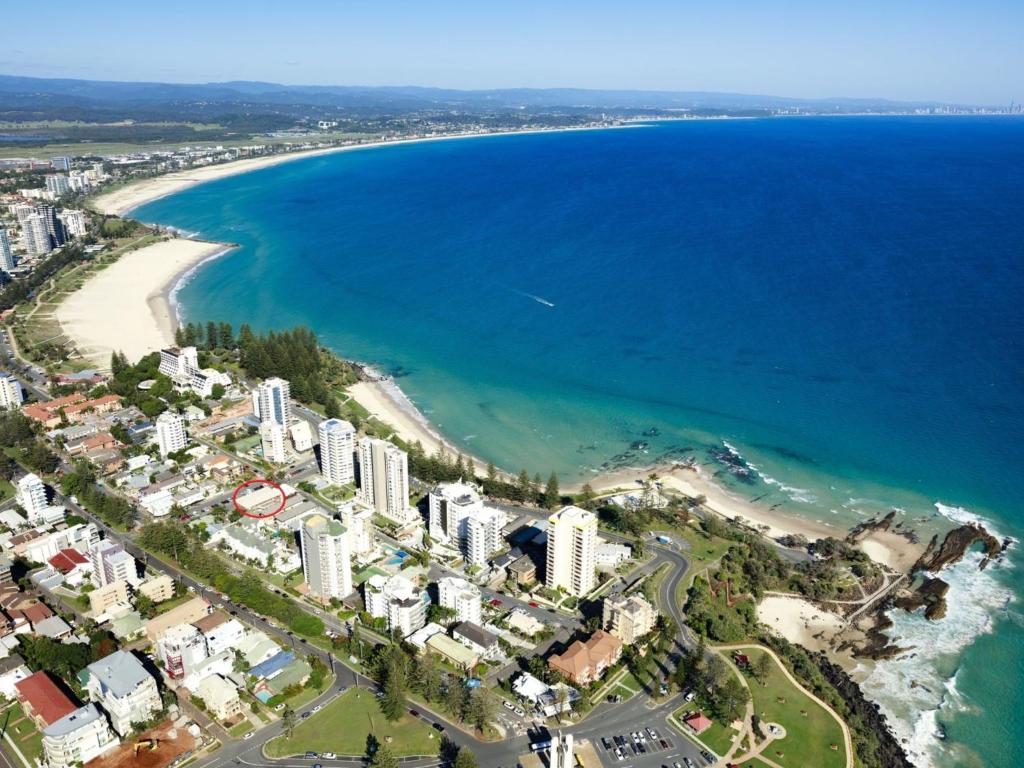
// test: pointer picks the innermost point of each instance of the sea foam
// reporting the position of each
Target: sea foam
(918, 688)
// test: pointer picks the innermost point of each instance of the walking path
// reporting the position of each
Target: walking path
(847, 741)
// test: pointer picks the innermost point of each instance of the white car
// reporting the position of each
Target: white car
(279, 707)
(318, 707)
(328, 756)
(249, 735)
(507, 705)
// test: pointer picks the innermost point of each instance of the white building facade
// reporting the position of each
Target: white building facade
(337, 451)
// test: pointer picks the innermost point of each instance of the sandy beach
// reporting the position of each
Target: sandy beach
(125, 307)
(384, 400)
(800, 621)
(119, 201)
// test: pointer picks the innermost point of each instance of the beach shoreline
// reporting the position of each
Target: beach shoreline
(384, 399)
(135, 293)
(120, 202)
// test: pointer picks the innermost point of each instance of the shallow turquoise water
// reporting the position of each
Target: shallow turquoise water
(838, 299)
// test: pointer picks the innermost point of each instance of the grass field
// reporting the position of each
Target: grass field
(23, 731)
(810, 729)
(240, 729)
(718, 737)
(343, 725)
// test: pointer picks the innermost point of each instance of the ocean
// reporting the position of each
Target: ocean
(836, 300)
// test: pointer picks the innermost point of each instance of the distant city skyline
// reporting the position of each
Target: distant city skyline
(912, 51)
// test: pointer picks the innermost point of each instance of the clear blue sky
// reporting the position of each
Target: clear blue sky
(968, 50)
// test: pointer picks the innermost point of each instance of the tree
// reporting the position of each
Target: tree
(331, 408)
(288, 721)
(217, 391)
(465, 759)
(552, 496)
(762, 668)
(523, 485)
(392, 704)
(482, 707)
(455, 698)
(586, 494)
(383, 758)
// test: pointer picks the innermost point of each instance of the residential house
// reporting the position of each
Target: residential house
(220, 697)
(43, 700)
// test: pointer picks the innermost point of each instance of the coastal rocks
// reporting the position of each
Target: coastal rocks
(888, 751)
(930, 595)
(872, 525)
(955, 545)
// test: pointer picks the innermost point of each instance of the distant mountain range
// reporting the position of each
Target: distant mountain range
(28, 93)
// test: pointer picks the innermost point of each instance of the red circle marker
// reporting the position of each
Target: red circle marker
(259, 481)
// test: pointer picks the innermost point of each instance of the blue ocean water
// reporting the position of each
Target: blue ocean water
(839, 299)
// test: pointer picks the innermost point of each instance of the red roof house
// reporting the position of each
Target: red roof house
(43, 700)
(68, 559)
(698, 721)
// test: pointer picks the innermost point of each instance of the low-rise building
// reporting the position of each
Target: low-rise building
(476, 638)
(185, 613)
(158, 588)
(77, 738)
(628, 618)
(550, 700)
(584, 662)
(106, 597)
(43, 700)
(220, 697)
(12, 671)
(452, 651)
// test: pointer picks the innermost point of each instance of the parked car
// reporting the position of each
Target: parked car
(437, 727)
(249, 735)
(533, 604)
(328, 756)
(495, 602)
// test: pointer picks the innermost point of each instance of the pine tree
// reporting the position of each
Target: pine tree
(226, 336)
(552, 496)
(383, 758)
(331, 408)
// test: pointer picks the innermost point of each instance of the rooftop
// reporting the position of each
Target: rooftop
(47, 700)
(120, 673)
(73, 721)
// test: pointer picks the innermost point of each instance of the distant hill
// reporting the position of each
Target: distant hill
(28, 93)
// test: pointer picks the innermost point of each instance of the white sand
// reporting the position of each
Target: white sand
(384, 400)
(120, 201)
(125, 307)
(891, 549)
(800, 621)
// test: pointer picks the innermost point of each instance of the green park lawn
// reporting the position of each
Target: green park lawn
(23, 731)
(343, 725)
(718, 737)
(810, 729)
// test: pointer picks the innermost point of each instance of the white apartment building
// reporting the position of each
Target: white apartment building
(170, 433)
(458, 515)
(111, 563)
(462, 597)
(77, 738)
(271, 401)
(450, 505)
(57, 184)
(126, 691)
(361, 532)
(571, 552)
(326, 558)
(11, 394)
(384, 479)
(176, 362)
(35, 236)
(302, 436)
(397, 599)
(337, 451)
(180, 648)
(6, 253)
(482, 535)
(81, 537)
(74, 222)
(181, 365)
(31, 496)
(272, 440)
